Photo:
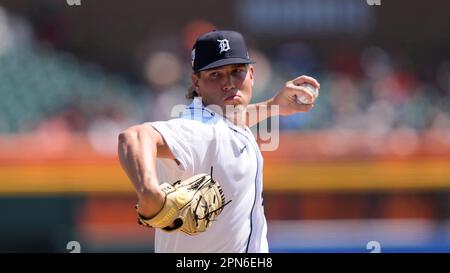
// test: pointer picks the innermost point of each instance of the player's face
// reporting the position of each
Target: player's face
(225, 85)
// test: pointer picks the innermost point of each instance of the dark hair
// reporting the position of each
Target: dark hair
(192, 93)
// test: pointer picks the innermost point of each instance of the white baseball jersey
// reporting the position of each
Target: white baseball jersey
(199, 139)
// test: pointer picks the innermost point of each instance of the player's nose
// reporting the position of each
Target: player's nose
(229, 83)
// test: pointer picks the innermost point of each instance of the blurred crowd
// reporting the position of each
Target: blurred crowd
(367, 90)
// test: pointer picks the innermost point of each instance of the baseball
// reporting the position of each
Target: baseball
(304, 99)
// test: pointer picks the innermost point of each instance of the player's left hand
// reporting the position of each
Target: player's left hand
(296, 97)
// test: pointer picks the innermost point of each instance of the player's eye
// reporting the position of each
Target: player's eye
(239, 71)
(214, 75)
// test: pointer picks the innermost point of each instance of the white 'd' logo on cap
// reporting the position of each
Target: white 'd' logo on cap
(193, 57)
(224, 45)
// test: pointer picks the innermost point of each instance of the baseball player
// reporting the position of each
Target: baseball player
(199, 177)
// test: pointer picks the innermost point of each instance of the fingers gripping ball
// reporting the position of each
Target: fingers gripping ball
(191, 205)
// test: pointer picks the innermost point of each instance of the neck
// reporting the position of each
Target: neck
(237, 115)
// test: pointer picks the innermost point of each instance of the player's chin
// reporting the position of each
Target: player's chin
(235, 105)
(234, 101)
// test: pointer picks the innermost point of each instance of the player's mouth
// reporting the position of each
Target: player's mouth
(232, 97)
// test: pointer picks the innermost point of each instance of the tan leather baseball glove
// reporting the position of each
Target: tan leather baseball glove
(191, 205)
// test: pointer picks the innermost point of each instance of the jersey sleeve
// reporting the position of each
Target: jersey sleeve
(191, 142)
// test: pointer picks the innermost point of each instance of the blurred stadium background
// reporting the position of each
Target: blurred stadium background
(371, 162)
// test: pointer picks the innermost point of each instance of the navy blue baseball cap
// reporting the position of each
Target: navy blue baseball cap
(218, 48)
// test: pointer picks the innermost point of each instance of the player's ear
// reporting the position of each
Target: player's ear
(251, 70)
(195, 78)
